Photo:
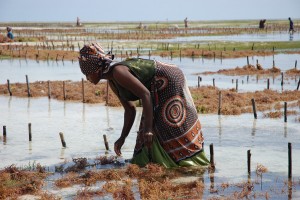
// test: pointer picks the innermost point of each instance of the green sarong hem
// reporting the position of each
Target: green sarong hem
(158, 155)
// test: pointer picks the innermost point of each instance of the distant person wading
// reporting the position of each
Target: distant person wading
(291, 29)
(9, 33)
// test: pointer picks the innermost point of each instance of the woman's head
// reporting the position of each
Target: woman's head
(93, 61)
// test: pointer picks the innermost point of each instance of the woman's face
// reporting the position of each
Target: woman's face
(94, 77)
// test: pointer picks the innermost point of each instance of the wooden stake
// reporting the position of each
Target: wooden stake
(212, 159)
(285, 111)
(220, 103)
(105, 142)
(83, 99)
(290, 160)
(268, 84)
(64, 90)
(214, 82)
(49, 90)
(180, 54)
(236, 84)
(106, 93)
(249, 162)
(254, 108)
(296, 64)
(298, 84)
(62, 139)
(8, 87)
(199, 80)
(4, 131)
(247, 61)
(29, 131)
(28, 88)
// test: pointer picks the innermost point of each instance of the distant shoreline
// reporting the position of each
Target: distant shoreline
(149, 21)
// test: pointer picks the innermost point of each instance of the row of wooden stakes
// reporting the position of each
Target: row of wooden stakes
(61, 135)
(211, 148)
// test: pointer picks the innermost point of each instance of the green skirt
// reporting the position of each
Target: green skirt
(158, 155)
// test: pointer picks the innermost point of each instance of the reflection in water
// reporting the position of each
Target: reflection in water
(290, 189)
(49, 107)
(212, 181)
(9, 102)
(291, 36)
(62, 153)
(65, 108)
(107, 116)
(4, 140)
(28, 106)
(249, 179)
(254, 127)
(30, 147)
(220, 127)
(83, 112)
(285, 130)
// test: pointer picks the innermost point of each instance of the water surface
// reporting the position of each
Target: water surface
(16, 69)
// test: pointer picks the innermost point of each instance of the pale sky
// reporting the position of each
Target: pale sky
(141, 10)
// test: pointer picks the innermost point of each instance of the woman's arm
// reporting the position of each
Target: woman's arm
(122, 75)
(129, 116)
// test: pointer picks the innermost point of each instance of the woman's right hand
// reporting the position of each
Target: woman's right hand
(118, 145)
(148, 138)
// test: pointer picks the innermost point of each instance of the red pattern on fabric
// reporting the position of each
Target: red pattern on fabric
(185, 145)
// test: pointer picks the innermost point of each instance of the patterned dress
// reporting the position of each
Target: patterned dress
(176, 124)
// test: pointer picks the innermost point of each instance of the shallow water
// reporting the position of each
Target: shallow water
(193, 66)
(16, 69)
(255, 37)
(83, 126)
(259, 37)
